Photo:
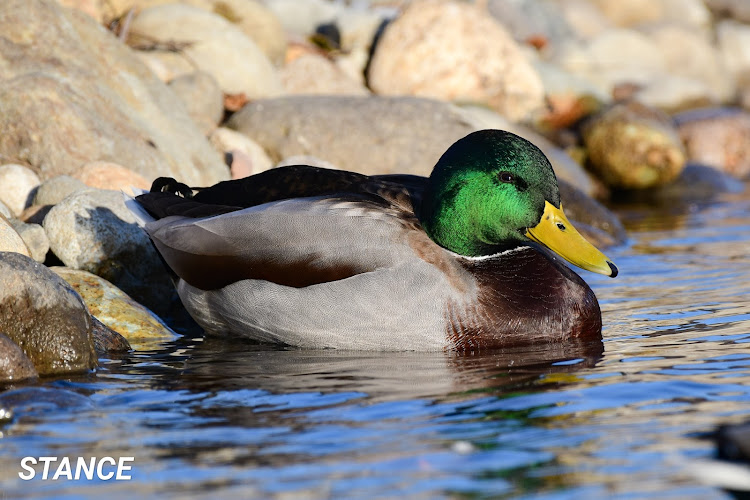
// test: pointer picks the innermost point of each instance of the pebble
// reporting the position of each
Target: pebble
(108, 175)
(202, 97)
(315, 74)
(213, 44)
(78, 94)
(34, 238)
(17, 185)
(54, 190)
(718, 137)
(455, 52)
(633, 146)
(14, 364)
(42, 314)
(113, 307)
(10, 240)
(251, 158)
(92, 230)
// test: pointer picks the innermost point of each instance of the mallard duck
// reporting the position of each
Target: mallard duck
(467, 259)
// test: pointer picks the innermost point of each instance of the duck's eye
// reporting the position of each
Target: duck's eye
(506, 177)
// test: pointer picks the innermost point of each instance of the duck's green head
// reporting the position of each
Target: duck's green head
(492, 191)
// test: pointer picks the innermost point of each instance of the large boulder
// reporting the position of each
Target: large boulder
(42, 314)
(458, 52)
(72, 93)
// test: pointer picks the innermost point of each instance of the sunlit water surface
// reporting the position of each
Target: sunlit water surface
(220, 419)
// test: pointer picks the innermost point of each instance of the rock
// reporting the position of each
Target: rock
(5, 211)
(55, 189)
(455, 51)
(739, 10)
(696, 183)
(10, 240)
(106, 104)
(34, 238)
(44, 317)
(690, 54)
(734, 44)
(14, 364)
(243, 149)
(35, 214)
(530, 20)
(91, 7)
(108, 175)
(106, 340)
(315, 74)
(257, 21)
(371, 135)
(632, 146)
(165, 65)
(629, 13)
(202, 97)
(613, 57)
(675, 93)
(717, 137)
(17, 185)
(300, 17)
(213, 44)
(117, 310)
(584, 18)
(92, 230)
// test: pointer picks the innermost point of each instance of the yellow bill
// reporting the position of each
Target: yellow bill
(557, 233)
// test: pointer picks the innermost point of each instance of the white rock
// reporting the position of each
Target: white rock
(734, 43)
(314, 74)
(17, 184)
(455, 51)
(229, 141)
(215, 45)
(10, 240)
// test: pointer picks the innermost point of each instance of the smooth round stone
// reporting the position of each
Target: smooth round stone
(202, 97)
(253, 157)
(632, 13)
(34, 238)
(42, 314)
(94, 231)
(113, 307)
(14, 364)
(718, 137)
(5, 211)
(215, 46)
(734, 44)
(10, 240)
(311, 74)
(456, 52)
(633, 146)
(54, 190)
(106, 340)
(111, 176)
(17, 185)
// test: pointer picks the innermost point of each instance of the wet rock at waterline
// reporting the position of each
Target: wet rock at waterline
(632, 146)
(116, 309)
(14, 364)
(94, 231)
(44, 316)
(106, 340)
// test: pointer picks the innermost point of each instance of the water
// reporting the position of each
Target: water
(215, 419)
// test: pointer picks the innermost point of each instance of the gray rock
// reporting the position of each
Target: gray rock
(17, 185)
(53, 190)
(106, 340)
(77, 94)
(371, 135)
(10, 240)
(42, 314)
(94, 231)
(35, 238)
(739, 10)
(14, 364)
(202, 97)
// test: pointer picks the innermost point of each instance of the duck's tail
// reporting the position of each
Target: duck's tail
(142, 217)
